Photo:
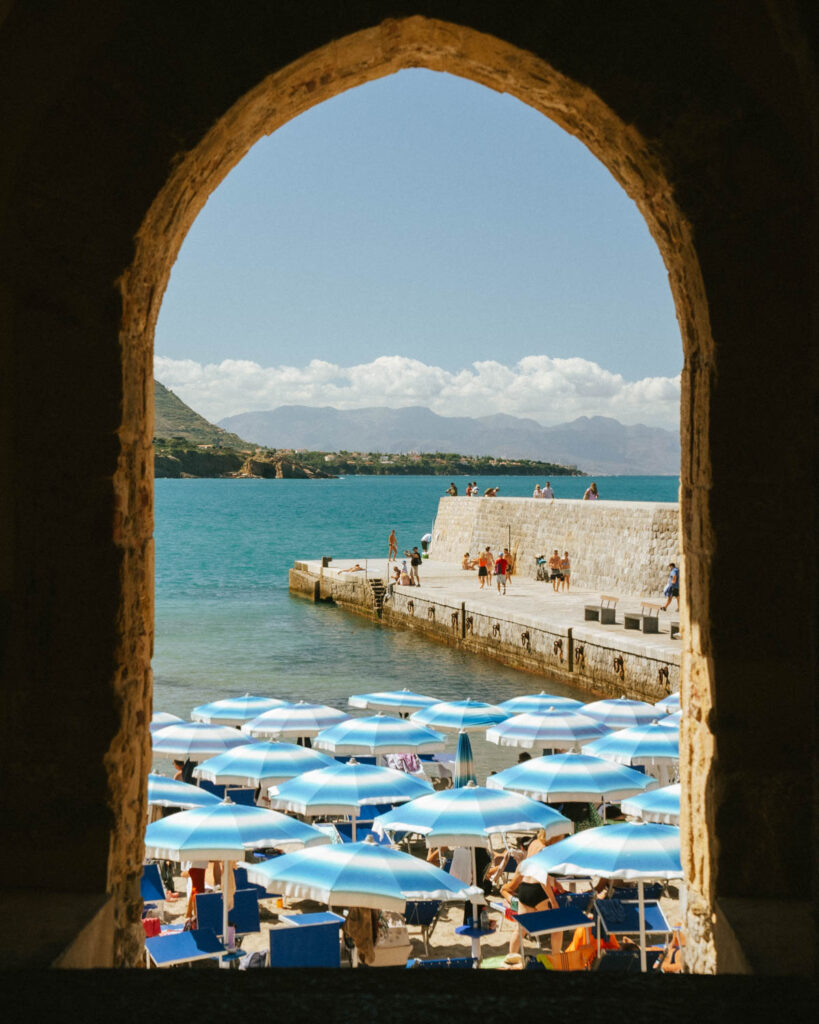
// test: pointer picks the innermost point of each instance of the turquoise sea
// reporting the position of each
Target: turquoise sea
(226, 624)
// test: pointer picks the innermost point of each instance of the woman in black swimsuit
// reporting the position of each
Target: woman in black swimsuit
(531, 895)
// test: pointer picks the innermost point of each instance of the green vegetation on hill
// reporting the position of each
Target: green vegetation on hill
(430, 464)
(175, 421)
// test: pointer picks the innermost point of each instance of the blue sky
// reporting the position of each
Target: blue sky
(422, 240)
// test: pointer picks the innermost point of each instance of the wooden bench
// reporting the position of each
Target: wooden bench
(647, 619)
(603, 612)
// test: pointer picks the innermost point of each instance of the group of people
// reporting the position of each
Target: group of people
(472, 490)
(488, 566)
(544, 492)
(560, 571)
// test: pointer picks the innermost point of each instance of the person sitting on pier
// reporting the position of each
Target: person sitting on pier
(467, 562)
(406, 580)
(353, 568)
(491, 492)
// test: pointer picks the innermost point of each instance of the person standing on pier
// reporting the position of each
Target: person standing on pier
(501, 567)
(415, 564)
(547, 492)
(393, 555)
(566, 570)
(554, 569)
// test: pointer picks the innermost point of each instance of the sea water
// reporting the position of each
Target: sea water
(226, 624)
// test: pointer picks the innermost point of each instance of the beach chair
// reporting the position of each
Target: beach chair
(178, 948)
(546, 922)
(211, 787)
(423, 914)
(246, 797)
(306, 940)
(245, 913)
(150, 888)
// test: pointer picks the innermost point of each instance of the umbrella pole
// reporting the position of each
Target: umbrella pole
(225, 869)
(642, 910)
(476, 919)
(355, 820)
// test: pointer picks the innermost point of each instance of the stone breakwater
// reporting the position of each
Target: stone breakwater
(530, 628)
(615, 547)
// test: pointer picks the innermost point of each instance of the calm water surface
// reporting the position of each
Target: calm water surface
(226, 624)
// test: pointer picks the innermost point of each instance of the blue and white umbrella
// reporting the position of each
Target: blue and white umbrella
(234, 710)
(571, 777)
(671, 721)
(555, 729)
(458, 715)
(302, 719)
(464, 763)
(470, 815)
(380, 734)
(643, 745)
(165, 792)
(261, 764)
(360, 875)
(659, 805)
(224, 832)
(194, 741)
(624, 851)
(345, 788)
(400, 701)
(621, 713)
(536, 704)
(669, 704)
(162, 718)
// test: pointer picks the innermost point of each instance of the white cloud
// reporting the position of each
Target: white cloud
(544, 389)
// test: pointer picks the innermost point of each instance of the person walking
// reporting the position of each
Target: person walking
(547, 492)
(393, 555)
(501, 569)
(483, 569)
(591, 493)
(672, 587)
(554, 569)
(566, 571)
(537, 492)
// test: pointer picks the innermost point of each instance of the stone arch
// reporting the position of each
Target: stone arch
(412, 42)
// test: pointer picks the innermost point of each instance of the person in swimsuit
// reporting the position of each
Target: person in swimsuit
(393, 547)
(415, 565)
(483, 571)
(531, 895)
(566, 571)
(554, 569)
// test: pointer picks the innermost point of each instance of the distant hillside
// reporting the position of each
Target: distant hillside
(595, 444)
(172, 418)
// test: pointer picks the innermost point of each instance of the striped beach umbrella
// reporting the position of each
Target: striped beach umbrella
(555, 729)
(162, 718)
(571, 777)
(302, 719)
(464, 763)
(224, 832)
(399, 701)
(669, 704)
(643, 745)
(621, 713)
(345, 788)
(261, 764)
(470, 815)
(380, 734)
(628, 851)
(536, 704)
(194, 741)
(457, 715)
(659, 805)
(671, 721)
(359, 875)
(165, 792)
(234, 710)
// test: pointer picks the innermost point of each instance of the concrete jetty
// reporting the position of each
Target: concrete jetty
(530, 627)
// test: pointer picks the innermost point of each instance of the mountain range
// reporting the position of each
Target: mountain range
(595, 444)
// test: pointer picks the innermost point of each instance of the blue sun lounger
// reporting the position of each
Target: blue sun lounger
(308, 940)
(183, 948)
(245, 913)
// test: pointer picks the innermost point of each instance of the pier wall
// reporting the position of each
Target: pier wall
(599, 662)
(622, 546)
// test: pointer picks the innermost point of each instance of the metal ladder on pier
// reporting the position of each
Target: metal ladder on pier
(379, 592)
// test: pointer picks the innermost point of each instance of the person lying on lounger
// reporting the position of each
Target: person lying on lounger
(354, 568)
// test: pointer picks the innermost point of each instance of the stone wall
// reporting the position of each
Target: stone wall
(618, 546)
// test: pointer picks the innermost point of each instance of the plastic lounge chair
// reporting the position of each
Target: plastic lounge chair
(240, 881)
(423, 914)
(245, 913)
(618, 917)
(363, 831)
(183, 948)
(307, 940)
(247, 797)
(211, 787)
(574, 900)
(467, 962)
(150, 887)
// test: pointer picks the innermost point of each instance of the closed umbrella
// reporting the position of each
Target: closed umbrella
(261, 764)
(536, 704)
(302, 719)
(379, 734)
(399, 701)
(165, 792)
(571, 777)
(659, 805)
(360, 875)
(457, 715)
(195, 741)
(345, 788)
(224, 832)
(555, 729)
(621, 713)
(464, 764)
(234, 710)
(624, 851)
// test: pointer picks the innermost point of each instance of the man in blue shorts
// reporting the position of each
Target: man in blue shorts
(672, 587)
